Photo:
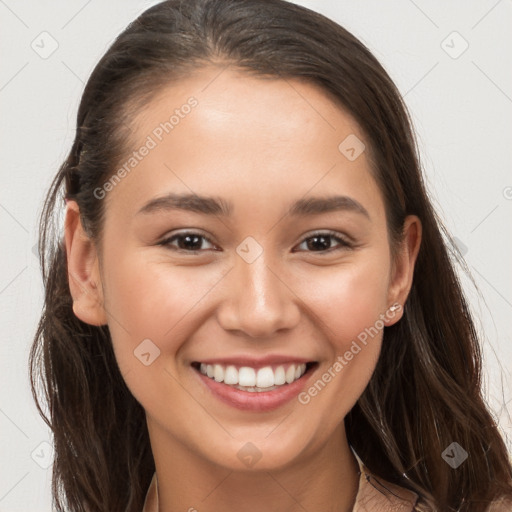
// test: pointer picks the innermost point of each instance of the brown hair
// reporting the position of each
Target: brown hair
(425, 392)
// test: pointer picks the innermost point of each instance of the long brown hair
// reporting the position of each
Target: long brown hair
(425, 392)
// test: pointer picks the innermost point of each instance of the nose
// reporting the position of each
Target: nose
(258, 302)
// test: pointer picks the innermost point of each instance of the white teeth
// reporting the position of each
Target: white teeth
(290, 374)
(246, 376)
(279, 376)
(231, 375)
(255, 389)
(218, 373)
(249, 379)
(265, 377)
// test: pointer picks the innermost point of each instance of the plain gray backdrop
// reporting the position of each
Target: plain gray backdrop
(452, 63)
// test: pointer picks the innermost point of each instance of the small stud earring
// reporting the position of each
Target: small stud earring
(395, 306)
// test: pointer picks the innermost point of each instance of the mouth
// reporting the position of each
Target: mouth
(255, 387)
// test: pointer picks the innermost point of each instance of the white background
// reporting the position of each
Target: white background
(462, 113)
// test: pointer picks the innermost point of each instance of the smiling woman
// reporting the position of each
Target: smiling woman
(262, 312)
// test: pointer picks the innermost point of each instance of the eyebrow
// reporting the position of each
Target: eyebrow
(318, 205)
(209, 205)
(188, 202)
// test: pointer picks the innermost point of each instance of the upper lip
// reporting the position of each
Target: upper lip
(256, 362)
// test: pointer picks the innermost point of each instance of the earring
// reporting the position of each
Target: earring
(395, 307)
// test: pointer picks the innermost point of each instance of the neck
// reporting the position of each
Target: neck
(326, 479)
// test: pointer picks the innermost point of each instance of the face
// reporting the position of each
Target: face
(246, 244)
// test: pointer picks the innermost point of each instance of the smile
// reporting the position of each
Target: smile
(252, 379)
(258, 387)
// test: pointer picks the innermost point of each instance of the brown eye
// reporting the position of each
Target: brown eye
(187, 242)
(323, 242)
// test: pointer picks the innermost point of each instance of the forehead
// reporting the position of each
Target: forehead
(257, 104)
(224, 132)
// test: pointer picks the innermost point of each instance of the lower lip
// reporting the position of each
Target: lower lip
(258, 401)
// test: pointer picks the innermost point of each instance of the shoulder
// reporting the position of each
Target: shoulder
(501, 505)
(378, 495)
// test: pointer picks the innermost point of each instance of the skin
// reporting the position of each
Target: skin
(260, 144)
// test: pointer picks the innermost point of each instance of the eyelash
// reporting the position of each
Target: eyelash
(343, 242)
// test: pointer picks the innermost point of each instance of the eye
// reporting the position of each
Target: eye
(322, 242)
(194, 242)
(187, 242)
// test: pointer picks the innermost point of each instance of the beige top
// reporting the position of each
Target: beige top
(373, 495)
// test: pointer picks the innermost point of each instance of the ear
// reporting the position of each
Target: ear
(403, 268)
(83, 270)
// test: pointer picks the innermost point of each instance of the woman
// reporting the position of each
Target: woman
(245, 311)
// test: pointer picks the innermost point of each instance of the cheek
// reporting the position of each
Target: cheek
(152, 312)
(349, 305)
(347, 299)
(155, 302)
